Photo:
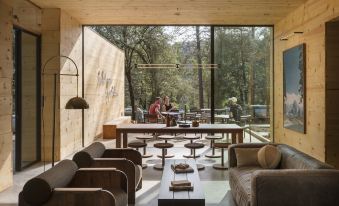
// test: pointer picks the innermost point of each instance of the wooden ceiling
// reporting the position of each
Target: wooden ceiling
(228, 12)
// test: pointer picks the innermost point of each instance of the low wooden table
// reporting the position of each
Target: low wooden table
(187, 198)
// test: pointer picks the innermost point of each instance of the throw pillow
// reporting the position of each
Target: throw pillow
(269, 157)
(247, 157)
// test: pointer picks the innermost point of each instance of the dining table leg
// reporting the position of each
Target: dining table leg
(124, 141)
(234, 138)
(118, 140)
(241, 137)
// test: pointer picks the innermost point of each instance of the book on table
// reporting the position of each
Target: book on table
(182, 168)
(180, 185)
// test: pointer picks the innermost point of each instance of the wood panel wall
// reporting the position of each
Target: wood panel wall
(50, 47)
(23, 14)
(104, 83)
(6, 74)
(332, 93)
(26, 15)
(309, 18)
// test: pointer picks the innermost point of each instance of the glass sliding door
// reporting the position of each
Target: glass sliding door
(244, 56)
(27, 99)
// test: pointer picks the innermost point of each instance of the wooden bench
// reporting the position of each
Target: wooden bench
(109, 128)
(187, 198)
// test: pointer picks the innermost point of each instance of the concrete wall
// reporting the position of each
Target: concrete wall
(309, 18)
(104, 83)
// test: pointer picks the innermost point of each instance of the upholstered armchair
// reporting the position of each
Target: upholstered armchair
(64, 184)
(127, 160)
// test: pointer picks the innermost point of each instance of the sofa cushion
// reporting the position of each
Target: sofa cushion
(240, 182)
(247, 157)
(294, 159)
(269, 157)
(39, 189)
(85, 157)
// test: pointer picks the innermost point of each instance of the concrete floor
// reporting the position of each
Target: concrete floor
(215, 182)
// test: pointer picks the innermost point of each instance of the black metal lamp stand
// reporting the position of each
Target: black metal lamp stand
(74, 103)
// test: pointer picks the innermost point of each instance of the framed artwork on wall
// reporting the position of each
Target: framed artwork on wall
(294, 68)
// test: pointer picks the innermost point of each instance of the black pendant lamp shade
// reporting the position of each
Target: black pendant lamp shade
(77, 103)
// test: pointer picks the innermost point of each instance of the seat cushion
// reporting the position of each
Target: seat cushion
(138, 174)
(240, 182)
(247, 157)
(269, 157)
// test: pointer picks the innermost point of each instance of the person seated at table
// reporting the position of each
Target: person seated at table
(139, 114)
(167, 106)
(154, 111)
(235, 108)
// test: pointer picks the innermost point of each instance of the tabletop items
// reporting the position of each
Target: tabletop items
(182, 168)
(180, 185)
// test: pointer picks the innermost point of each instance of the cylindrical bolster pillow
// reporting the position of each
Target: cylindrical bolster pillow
(84, 157)
(39, 189)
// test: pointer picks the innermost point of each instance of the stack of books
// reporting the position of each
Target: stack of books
(181, 168)
(180, 185)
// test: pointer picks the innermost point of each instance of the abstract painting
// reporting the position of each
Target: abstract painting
(294, 88)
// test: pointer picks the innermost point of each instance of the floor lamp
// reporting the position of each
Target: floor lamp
(73, 103)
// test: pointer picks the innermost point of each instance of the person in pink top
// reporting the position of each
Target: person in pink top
(154, 110)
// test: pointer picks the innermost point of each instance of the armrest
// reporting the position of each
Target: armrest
(295, 187)
(106, 178)
(122, 164)
(129, 154)
(81, 196)
(232, 158)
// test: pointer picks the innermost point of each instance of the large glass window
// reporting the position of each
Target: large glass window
(243, 56)
(243, 77)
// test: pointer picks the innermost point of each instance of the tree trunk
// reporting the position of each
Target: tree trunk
(128, 69)
(243, 70)
(201, 89)
(131, 92)
(251, 70)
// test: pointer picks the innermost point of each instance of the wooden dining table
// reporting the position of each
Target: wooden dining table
(124, 129)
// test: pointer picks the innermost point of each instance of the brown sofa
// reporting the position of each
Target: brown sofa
(64, 184)
(127, 160)
(299, 180)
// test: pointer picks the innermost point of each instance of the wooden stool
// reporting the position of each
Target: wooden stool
(163, 147)
(191, 138)
(222, 146)
(166, 138)
(213, 138)
(144, 138)
(137, 144)
(193, 146)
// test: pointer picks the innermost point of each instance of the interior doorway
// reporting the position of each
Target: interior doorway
(26, 99)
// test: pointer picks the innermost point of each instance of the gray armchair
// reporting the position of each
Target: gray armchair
(127, 160)
(64, 184)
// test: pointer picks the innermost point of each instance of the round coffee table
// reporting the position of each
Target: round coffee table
(137, 144)
(212, 138)
(191, 138)
(163, 147)
(193, 146)
(222, 146)
(166, 138)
